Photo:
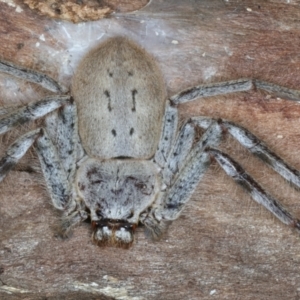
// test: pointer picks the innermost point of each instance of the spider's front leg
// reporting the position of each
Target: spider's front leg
(233, 86)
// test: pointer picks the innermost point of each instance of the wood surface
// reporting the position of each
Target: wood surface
(223, 246)
(84, 10)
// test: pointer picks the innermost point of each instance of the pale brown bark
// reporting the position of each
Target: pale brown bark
(224, 246)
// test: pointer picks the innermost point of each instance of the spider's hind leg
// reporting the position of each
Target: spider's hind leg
(172, 201)
(234, 170)
(256, 147)
(16, 151)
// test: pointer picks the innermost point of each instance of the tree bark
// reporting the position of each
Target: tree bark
(224, 245)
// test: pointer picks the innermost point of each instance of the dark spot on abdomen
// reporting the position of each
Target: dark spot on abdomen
(133, 94)
(107, 94)
(110, 74)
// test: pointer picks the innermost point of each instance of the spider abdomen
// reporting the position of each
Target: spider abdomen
(120, 95)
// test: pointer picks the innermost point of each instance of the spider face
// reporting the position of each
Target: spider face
(116, 192)
(116, 155)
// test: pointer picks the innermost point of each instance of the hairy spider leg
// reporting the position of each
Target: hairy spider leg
(257, 147)
(20, 116)
(232, 86)
(171, 203)
(30, 75)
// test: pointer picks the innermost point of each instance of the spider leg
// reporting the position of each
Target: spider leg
(181, 152)
(55, 176)
(61, 126)
(233, 86)
(234, 170)
(59, 184)
(258, 148)
(170, 123)
(57, 167)
(16, 151)
(32, 111)
(184, 185)
(278, 90)
(30, 75)
(171, 202)
(172, 147)
(58, 164)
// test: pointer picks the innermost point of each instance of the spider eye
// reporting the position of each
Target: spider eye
(99, 214)
(141, 185)
(130, 226)
(143, 188)
(131, 215)
(95, 224)
(96, 181)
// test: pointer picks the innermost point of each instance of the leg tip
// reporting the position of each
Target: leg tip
(296, 224)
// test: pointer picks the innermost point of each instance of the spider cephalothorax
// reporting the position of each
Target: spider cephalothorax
(116, 192)
(115, 154)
